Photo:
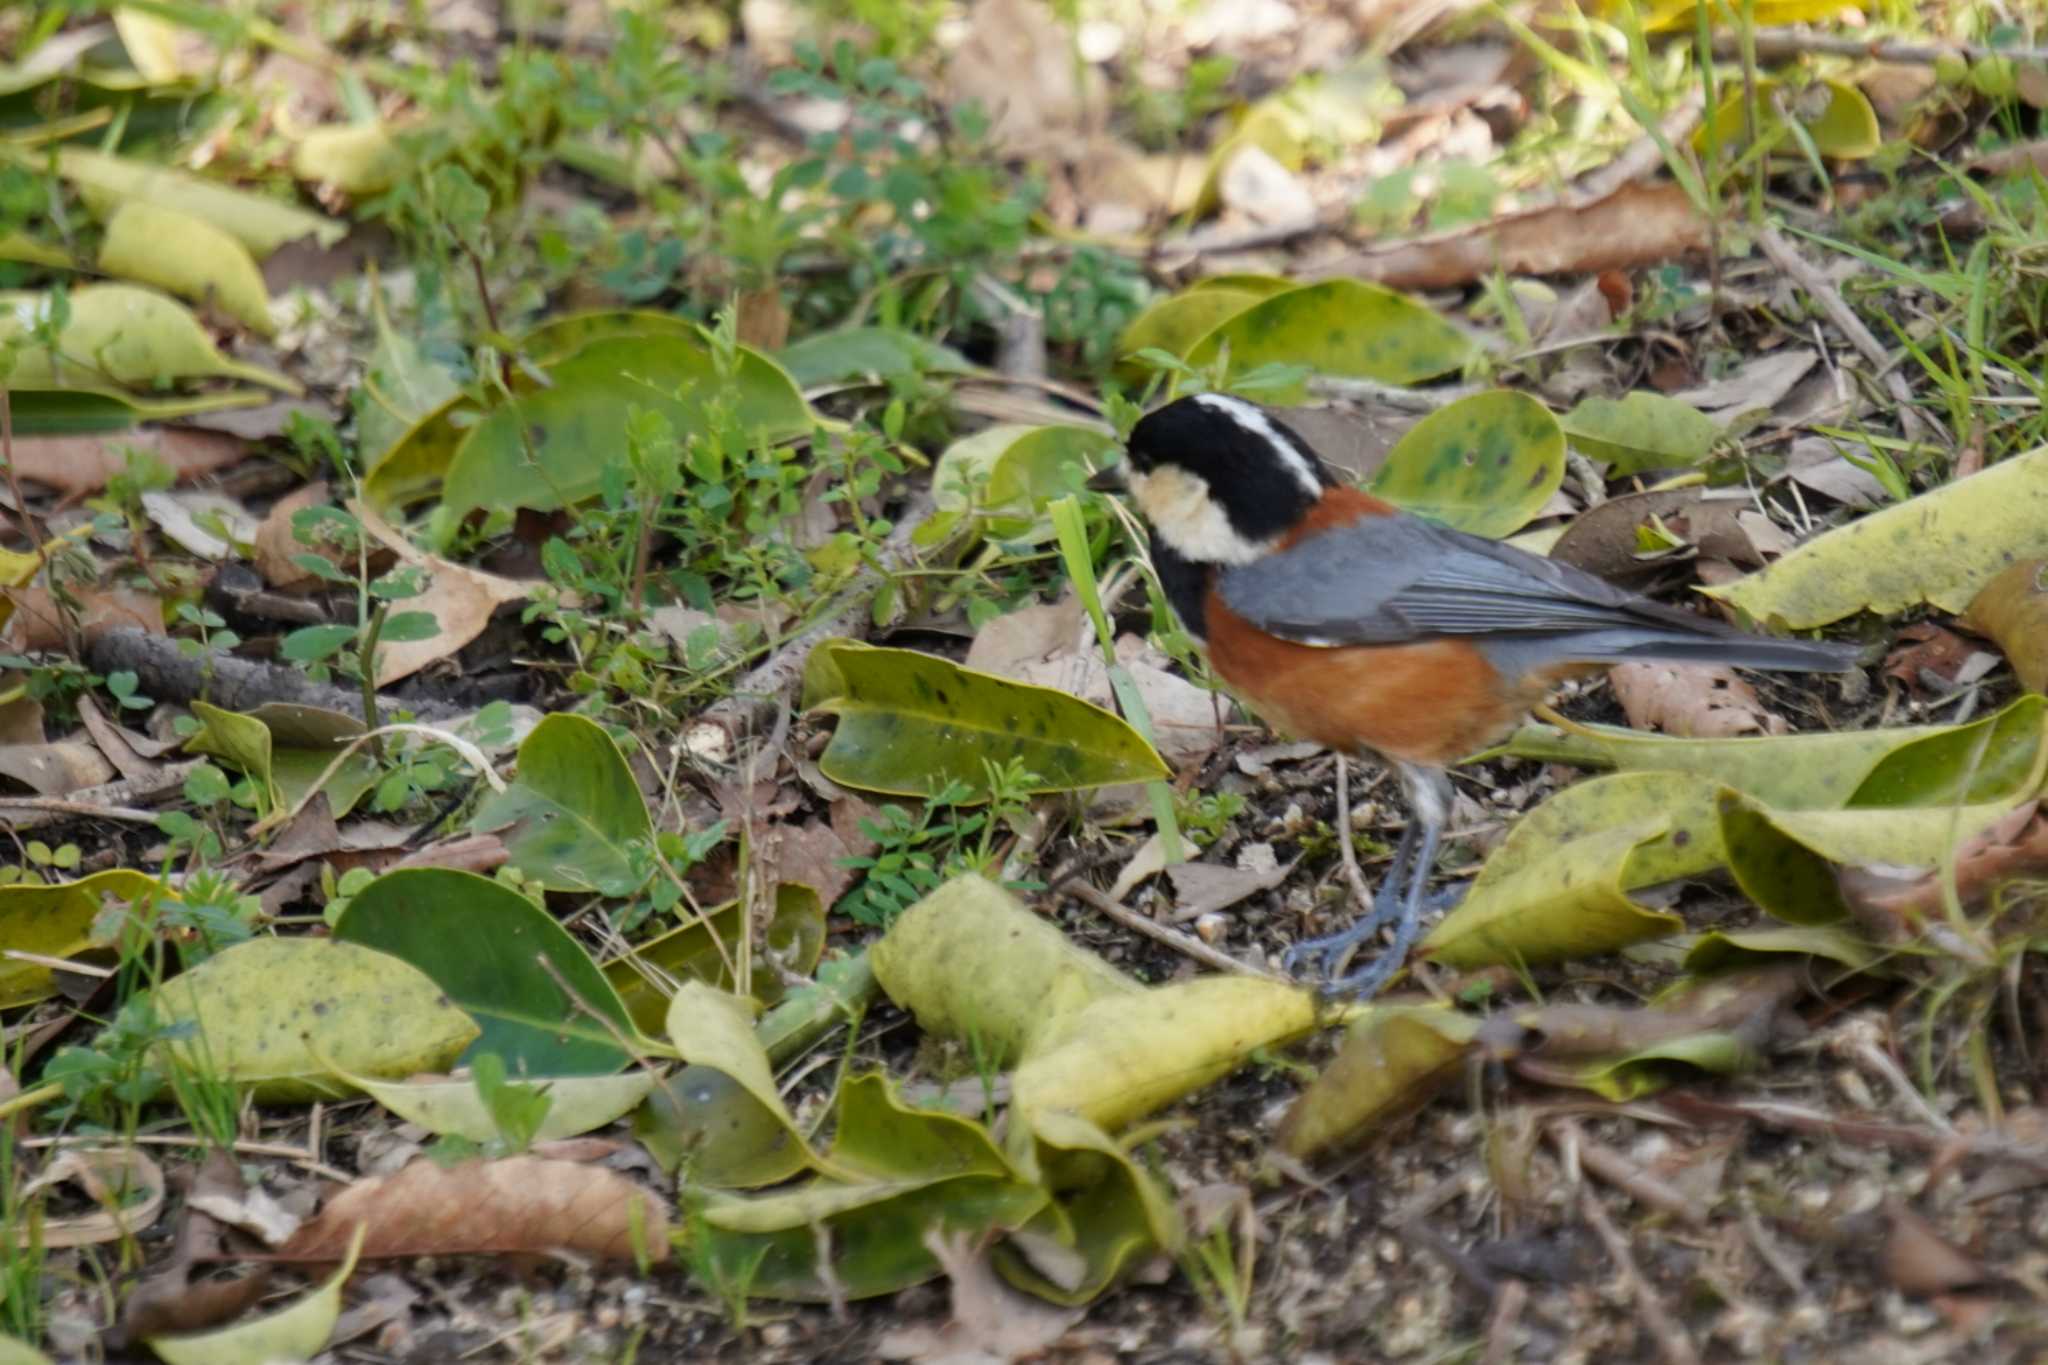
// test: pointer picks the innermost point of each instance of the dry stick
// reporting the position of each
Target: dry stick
(1500, 1327)
(1672, 1341)
(756, 695)
(1778, 44)
(1172, 938)
(1632, 1180)
(1823, 292)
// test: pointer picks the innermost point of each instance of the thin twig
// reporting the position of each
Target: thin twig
(1501, 1324)
(1672, 1342)
(1778, 44)
(1173, 938)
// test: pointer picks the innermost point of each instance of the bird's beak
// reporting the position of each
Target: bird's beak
(1109, 479)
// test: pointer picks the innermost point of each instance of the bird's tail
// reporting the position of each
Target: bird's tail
(1736, 648)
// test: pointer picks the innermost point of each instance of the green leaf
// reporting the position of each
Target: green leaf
(866, 354)
(909, 723)
(1941, 547)
(530, 987)
(401, 388)
(1008, 473)
(1836, 115)
(297, 1332)
(1394, 1057)
(77, 409)
(187, 256)
(1641, 431)
(453, 1108)
(259, 222)
(1568, 902)
(316, 644)
(795, 936)
(550, 448)
(1484, 464)
(119, 335)
(1107, 1208)
(279, 1015)
(1342, 327)
(1175, 323)
(571, 812)
(287, 748)
(57, 921)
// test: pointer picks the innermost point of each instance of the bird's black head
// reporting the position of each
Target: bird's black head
(1219, 477)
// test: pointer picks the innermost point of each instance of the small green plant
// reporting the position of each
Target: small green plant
(21, 1251)
(726, 1272)
(106, 1082)
(1222, 1273)
(516, 1110)
(40, 864)
(915, 854)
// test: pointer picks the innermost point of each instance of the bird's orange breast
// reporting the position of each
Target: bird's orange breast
(1432, 702)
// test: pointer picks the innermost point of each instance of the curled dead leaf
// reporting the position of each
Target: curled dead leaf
(517, 1204)
(1695, 701)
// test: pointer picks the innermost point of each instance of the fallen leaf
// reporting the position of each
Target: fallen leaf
(460, 599)
(1917, 1259)
(196, 522)
(1757, 385)
(1637, 225)
(77, 465)
(155, 245)
(991, 1322)
(277, 547)
(126, 1184)
(1890, 907)
(1928, 650)
(517, 1204)
(1695, 701)
(2013, 610)
(1204, 888)
(55, 769)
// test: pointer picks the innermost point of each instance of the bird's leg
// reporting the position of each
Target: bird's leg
(1373, 911)
(1429, 790)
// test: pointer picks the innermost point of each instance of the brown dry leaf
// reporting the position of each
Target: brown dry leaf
(219, 1192)
(57, 768)
(1890, 906)
(1636, 225)
(1930, 651)
(992, 1324)
(1919, 1260)
(813, 855)
(518, 1204)
(77, 465)
(115, 744)
(21, 720)
(37, 624)
(1204, 888)
(276, 546)
(763, 319)
(1692, 701)
(167, 1301)
(1758, 385)
(459, 598)
(2007, 160)
(1602, 540)
(126, 1184)
(1018, 60)
(2013, 610)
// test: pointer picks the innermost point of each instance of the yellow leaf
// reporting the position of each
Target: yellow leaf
(188, 256)
(123, 334)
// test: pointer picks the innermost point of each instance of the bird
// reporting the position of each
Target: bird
(1341, 619)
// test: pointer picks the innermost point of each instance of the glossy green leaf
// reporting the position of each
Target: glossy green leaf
(555, 340)
(530, 987)
(1484, 464)
(1997, 758)
(866, 354)
(1393, 1060)
(1342, 327)
(713, 1029)
(1640, 431)
(280, 1014)
(573, 811)
(75, 410)
(550, 448)
(57, 921)
(1175, 323)
(1941, 547)
(910, 722)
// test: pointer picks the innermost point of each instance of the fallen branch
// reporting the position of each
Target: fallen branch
(755, 697)
(166, 673)
(1779, 44)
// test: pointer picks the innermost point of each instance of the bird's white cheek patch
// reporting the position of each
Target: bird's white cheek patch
(1181, 510)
